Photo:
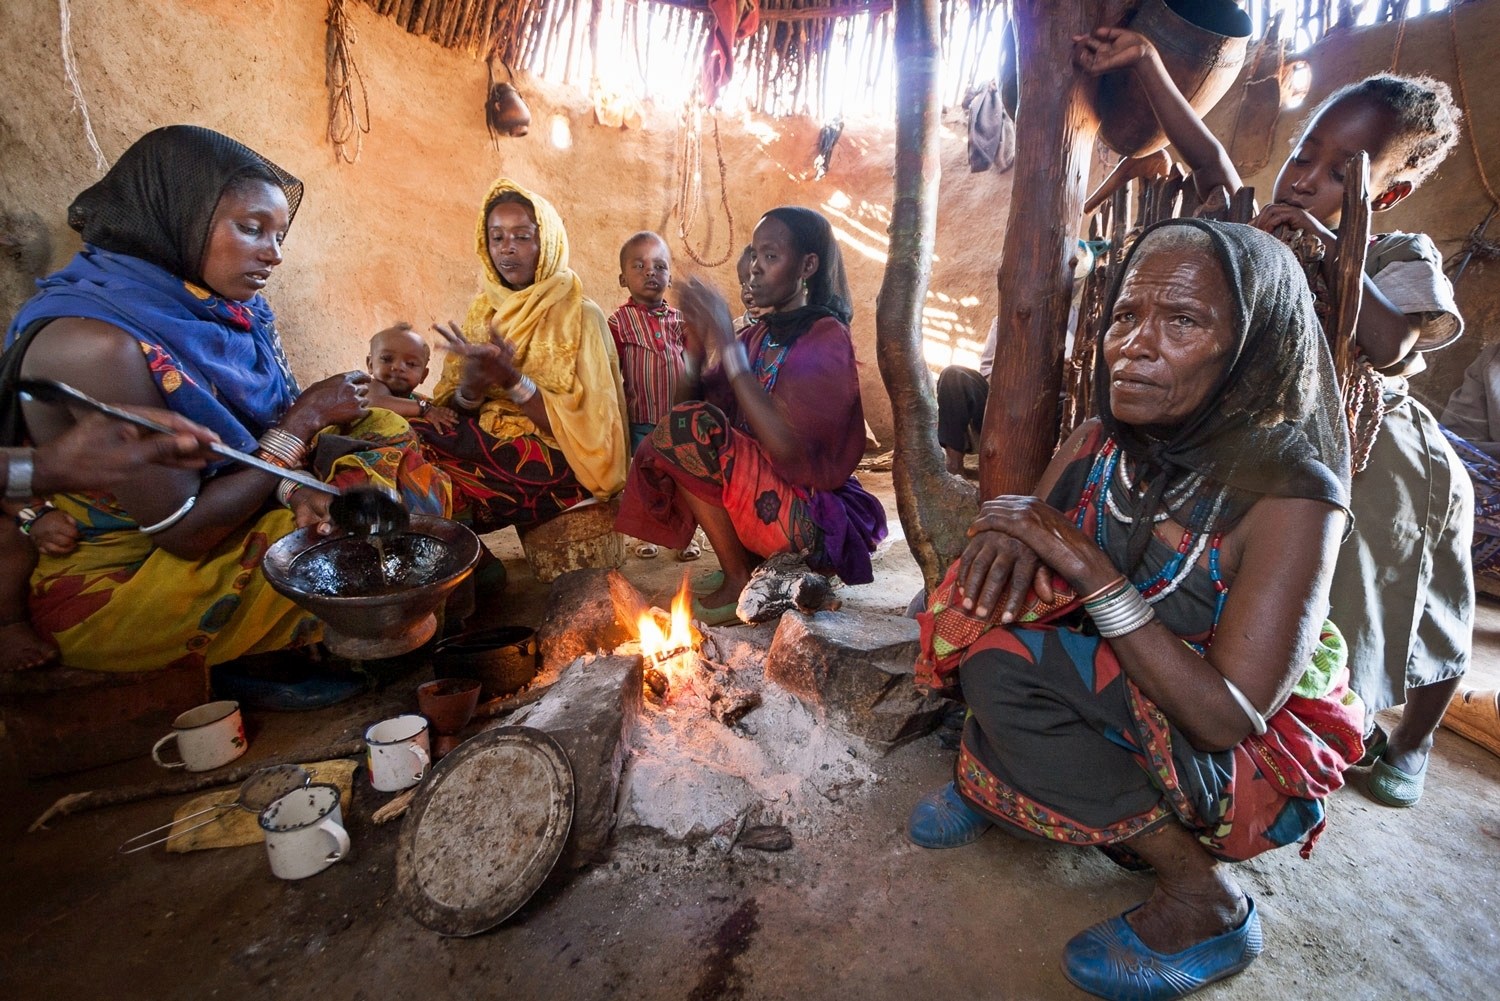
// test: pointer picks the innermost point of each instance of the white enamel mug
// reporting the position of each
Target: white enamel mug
(399, 753)
(304, 831)
(211, 735)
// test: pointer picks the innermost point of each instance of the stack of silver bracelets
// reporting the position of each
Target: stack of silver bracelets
(1117, 608)
(286, 450)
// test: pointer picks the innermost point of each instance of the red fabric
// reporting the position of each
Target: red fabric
(733, 20)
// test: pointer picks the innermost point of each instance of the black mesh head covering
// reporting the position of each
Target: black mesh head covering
(1272, 424)
(158, 199)
(827, 289)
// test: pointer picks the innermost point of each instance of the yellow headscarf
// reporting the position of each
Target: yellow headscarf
(562, 343)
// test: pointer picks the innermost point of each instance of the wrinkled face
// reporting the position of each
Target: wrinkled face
(1168, 337)
(646, 270)
(511, 236)
(398, 358)
(778, 271)
(244, 239)
(1312, 178)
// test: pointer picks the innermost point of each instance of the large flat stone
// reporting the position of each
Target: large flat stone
(590, 711)
(857, 667)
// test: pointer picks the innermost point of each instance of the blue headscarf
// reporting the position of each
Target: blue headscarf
(145, 226)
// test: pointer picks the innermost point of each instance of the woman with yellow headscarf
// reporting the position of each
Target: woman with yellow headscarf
(533, 376)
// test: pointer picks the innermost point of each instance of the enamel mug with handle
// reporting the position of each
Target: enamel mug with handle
(399, 753)
(207, 737)
(304, 831)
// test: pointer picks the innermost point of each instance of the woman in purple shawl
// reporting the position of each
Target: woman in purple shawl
(761, 448)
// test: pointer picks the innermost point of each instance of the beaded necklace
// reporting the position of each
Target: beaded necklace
(1189, 549)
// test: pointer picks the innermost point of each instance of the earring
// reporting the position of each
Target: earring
(804, 284)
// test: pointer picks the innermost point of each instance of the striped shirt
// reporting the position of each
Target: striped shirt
(649, 342)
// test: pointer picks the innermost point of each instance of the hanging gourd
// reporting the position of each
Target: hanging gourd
(505, 113)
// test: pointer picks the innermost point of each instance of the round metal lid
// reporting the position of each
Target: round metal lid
(485, 830)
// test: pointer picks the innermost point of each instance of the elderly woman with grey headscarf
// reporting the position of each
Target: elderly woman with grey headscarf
(1142, 645)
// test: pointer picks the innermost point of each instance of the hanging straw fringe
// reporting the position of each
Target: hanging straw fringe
(70, 70)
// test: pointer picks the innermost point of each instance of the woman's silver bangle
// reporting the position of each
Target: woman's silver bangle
(522, 391)
(20, 464)
(736, 362)
(464, 402)
(1257, 721)
(284, 491)
(1121, 610)
(171, 519)
(284, 445)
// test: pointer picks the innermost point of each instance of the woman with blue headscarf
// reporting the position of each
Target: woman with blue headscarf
(163, 308)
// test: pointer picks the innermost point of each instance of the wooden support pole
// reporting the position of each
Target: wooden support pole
(1055, 129)
(935, 507)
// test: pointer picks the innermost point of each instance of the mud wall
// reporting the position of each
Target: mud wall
(391, 236)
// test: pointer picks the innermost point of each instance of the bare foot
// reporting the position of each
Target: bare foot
(728, 593)
(1171, 920)
(21, 649)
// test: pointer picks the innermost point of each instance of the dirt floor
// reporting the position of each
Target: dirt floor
(1392, 904)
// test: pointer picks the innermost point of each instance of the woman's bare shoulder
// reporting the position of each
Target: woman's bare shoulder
(96, 357)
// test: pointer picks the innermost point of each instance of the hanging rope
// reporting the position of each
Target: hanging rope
(345, 122)
(690, 186)
(70, 70)
(1400, 33)
(1463, 100)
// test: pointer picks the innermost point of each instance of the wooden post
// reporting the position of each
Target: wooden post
(935, 507)
(1055, 129)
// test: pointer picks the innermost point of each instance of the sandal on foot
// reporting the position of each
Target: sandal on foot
(1393, 787)
(647, 551)
(1109, 960)
(708, 583)
(943, 820)
(689, 552)
(1375, 745)
(722, 615)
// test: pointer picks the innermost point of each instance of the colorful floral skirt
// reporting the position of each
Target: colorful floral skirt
(118, 603)
(501, 481)
(1061, 745)
(694, 448)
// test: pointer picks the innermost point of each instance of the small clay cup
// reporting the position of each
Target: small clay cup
(448, 704)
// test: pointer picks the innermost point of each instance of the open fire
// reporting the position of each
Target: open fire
(669, 656)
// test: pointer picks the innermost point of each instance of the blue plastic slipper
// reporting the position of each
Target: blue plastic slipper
(943, 820)
(277, 695)
(1109, 960)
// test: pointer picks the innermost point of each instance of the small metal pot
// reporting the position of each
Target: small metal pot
(505, 660)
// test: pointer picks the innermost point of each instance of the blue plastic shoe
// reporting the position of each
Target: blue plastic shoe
(1110, 961)
(943, 820)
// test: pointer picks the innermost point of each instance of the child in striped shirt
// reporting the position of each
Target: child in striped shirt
(648, 337)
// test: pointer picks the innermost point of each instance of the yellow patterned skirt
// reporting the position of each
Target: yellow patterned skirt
(118, 603)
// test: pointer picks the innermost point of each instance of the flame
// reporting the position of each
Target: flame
(670, 652)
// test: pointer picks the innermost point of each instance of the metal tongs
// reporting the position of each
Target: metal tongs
(357, 510)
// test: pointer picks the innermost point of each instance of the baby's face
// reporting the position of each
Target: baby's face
(399, 360)
(647, 271)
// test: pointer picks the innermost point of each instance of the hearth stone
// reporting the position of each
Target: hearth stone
(857, 668)
(589, 611)
(590, 710)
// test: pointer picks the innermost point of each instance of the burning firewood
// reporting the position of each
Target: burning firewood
(782, 583)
